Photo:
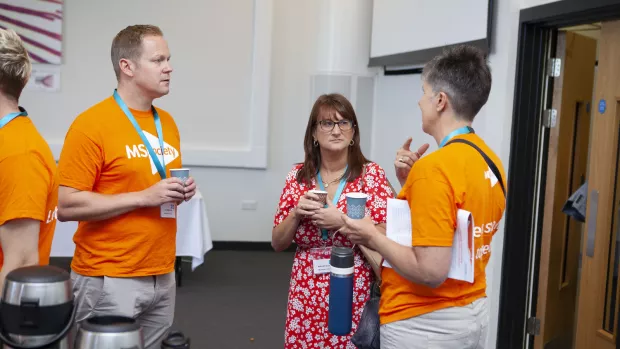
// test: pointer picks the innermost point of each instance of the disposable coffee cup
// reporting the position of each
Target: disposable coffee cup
(356, 205)
(322, 194)
(181, 173)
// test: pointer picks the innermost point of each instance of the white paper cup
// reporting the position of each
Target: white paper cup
(321, 194)
(356, 205)
(181, 173)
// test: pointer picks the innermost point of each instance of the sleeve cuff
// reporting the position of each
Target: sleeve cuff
(75, 185)
(21, 215)
(432, 242)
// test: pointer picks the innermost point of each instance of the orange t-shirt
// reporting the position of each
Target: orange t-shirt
(451, 178)
(28, 181)
(103, 153)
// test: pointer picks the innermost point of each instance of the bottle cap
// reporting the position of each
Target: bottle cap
(342, 257)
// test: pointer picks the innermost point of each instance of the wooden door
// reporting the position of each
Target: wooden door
(598, 292)
(566, 171)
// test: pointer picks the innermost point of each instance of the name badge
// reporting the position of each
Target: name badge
(320, 258)
(168, 210)
(321, 266)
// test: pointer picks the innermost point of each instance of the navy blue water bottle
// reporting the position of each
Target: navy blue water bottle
(340, 314)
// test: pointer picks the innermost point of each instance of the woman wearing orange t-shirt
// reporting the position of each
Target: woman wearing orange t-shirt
(28, 182)
(420, 306)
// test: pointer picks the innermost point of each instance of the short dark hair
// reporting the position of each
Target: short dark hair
(127, 44)
(461, 72)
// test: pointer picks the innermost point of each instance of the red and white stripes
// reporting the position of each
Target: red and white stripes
(39, 24)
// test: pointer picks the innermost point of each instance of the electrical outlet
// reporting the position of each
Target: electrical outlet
(249, 205)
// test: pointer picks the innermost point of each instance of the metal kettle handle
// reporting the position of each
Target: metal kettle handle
(61, 335)
(172, 335)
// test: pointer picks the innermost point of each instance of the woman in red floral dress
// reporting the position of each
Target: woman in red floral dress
(334, 163)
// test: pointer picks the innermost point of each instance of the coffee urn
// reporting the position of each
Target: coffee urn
(109, 332)
(37, 311)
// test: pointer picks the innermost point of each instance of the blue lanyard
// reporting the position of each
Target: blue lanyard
(461, 131)
(343, 182)
(160, 168)
(9, 117)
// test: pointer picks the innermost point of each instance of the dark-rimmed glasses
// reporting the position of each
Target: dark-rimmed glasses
(328, 125)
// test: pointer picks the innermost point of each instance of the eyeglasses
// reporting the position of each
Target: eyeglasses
(328, 125)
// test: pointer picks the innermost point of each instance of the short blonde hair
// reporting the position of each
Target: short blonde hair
(15, 66)
(127, 44)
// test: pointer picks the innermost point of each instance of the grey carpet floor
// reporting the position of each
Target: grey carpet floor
(235, 300)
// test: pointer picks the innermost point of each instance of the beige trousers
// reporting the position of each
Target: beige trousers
(149, 299)
(451, 328)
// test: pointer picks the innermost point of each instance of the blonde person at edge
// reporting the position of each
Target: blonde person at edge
(115, 180)
(334, 163)
(420, 307)
(28, 182)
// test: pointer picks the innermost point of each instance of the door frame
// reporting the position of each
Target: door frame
(537, 31)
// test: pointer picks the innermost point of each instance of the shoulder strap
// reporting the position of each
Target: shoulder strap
(486, 158)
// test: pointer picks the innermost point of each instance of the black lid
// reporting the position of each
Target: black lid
(43, 274)
(110, 324)
(175, 340)
(342, 257)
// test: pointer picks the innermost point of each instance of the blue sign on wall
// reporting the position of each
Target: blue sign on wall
(602, 106)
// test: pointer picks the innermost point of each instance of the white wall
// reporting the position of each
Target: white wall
(397, 117)
(219, 87)
(293, 61)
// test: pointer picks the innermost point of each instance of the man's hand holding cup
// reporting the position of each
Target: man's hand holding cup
(163, 192)
(189, 186)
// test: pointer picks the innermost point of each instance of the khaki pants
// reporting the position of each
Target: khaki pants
(149, 299)
(451, 328)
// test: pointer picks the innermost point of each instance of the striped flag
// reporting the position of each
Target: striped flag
(39, 24)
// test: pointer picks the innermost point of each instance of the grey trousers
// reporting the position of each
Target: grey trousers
(450, 328)
(149, 299)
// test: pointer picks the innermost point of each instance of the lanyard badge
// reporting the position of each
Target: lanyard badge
(167, 210)
(158, 164)
(343, 182)
(457, 132)
(320, 259)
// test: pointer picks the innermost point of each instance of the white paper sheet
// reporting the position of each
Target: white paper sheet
(398, 221)
(462, 266)
(398, 229)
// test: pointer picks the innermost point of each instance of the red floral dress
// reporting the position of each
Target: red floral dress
(308, 297)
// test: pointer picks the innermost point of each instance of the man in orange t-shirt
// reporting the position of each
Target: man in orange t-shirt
(420, 306)
(115, 180)
(28, 185)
